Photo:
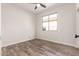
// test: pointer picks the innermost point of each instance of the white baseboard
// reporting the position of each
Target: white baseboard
(46, 40)
(76, 46)
(16, 42)
(63, 43)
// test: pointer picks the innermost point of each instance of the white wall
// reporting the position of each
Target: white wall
(17, 25)
(66, 25)
(0, 20)
(77, 24)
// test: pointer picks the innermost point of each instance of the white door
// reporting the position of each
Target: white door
(0, 28)
(77, 24)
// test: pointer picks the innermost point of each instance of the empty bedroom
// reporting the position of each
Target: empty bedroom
(39, 29)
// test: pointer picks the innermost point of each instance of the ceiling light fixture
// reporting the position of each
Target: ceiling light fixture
(38, 5)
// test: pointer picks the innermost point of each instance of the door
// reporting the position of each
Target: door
(77, 24)
(0, 28)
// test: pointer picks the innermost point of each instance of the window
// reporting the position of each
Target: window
(50, 22)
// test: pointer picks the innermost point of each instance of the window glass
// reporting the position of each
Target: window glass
(45, 18)
(45, 26)
(53, 17)
(53, 25)
(50, 22)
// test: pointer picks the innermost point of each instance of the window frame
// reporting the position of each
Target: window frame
(49, 21)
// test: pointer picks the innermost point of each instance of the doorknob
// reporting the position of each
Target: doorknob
(76, 36)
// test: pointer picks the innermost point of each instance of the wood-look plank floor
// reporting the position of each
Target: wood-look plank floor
(38, 47)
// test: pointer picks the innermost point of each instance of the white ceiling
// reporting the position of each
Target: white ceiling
(30, 7)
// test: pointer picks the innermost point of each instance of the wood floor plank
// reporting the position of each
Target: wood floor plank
(38, 47)
(20, 52)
